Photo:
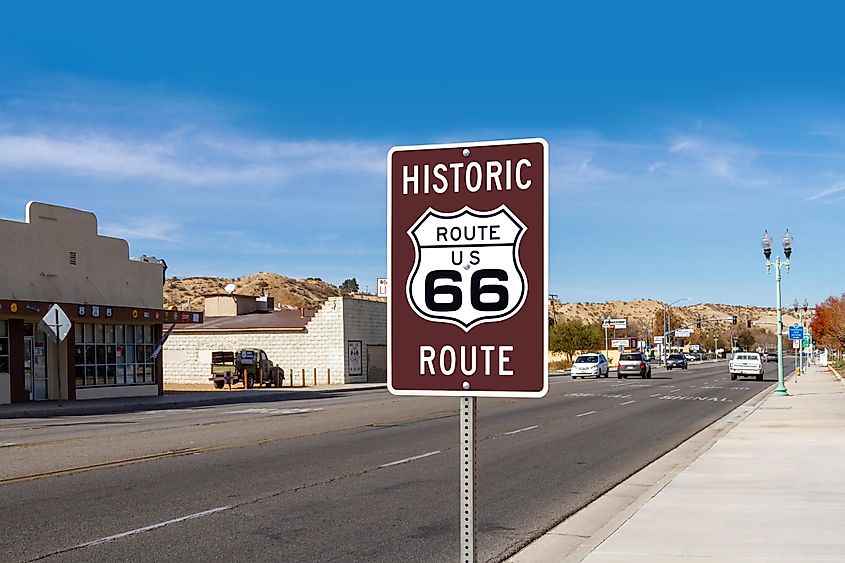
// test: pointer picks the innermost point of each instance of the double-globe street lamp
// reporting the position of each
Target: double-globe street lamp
(786, 241)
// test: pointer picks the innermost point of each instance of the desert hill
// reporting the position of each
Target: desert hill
(641, 314)
(310, 293)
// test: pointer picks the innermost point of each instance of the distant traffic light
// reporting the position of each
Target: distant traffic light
(733, 319)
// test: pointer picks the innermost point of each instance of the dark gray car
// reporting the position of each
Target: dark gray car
(633, 363)
(676, 361)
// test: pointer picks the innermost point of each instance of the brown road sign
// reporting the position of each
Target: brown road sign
(468, 253)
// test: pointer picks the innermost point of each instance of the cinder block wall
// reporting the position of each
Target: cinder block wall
(187, 354)
(366, 321)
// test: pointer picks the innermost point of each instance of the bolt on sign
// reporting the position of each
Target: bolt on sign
(468, 252)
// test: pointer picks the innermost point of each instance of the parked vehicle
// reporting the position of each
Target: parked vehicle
(633, 363)
(746, 363)
(247, 365)
(676, 361)
(590, 364)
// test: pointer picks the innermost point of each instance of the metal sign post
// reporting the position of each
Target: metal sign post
(59, 326)
(468, 445)
(468, 282)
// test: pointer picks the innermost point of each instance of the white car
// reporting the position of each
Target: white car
(593, 365)
(746, 363)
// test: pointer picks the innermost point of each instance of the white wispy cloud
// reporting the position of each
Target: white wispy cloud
(150, 229)
(727, 161)
(836, 188)
(184, 157)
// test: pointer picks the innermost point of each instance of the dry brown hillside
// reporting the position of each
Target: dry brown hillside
(642, 312)
(287, 292)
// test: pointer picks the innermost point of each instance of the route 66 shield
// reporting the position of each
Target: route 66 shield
(467, 268)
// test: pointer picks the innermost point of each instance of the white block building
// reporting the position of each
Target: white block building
(345, 341)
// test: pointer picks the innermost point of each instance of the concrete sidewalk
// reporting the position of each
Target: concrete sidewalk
(174, 400)
(770, 489)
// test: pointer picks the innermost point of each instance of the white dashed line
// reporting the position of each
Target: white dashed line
(626, 403)
(272, 411)
(656, 394)
(407, 459)
(148, 528)
(586, 413)
(520, 430)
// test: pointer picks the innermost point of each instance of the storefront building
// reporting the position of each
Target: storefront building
(345, 341)
(110, 311)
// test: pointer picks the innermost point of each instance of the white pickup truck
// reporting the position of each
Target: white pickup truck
(746, 363)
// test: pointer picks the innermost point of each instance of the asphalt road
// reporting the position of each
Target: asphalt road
(360, 476)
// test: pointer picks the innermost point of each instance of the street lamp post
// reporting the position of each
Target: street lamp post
(766, 242)
(668, 312)
(800, 312)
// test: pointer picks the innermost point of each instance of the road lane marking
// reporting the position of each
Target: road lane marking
(106, 464)
(689, 398)
(272, 411)
(148, 528)
(604, 395)
(408, 459)
(520, 430)
(656, 395)
(8, 444)
(626, 403)
(586, 413)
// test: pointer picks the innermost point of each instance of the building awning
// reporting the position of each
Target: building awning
(285, 320)
(94, 313)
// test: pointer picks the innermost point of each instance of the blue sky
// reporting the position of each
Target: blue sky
(234, 138)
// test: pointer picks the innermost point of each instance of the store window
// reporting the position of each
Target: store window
(4, 346)
(114, 355)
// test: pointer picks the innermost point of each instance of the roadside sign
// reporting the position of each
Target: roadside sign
(806, 340)
(381, 287)
(620, 342)
(796, 344)
(468, 252)
(658, 340)
(796, 332)
(694, 347)
(683, 333)
(615, 323)
(56, 322)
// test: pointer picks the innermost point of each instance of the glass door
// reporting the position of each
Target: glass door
(39, 367)
(35, 365)
(28, 343)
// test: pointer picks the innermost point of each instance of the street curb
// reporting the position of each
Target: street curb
(85, 408)
(580, 533)
(836, 373)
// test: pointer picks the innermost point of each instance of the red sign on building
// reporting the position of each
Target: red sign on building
(468, 252)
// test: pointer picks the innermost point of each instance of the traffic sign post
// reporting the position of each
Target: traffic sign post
(796, 332)
(58, 323)
(467, 264)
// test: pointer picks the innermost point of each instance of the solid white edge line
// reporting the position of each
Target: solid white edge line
(407, 459)
(520, 430)
(586, 413)
(152, 527)
(626, 403)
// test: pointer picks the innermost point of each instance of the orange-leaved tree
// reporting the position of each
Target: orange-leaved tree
(828, 324)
